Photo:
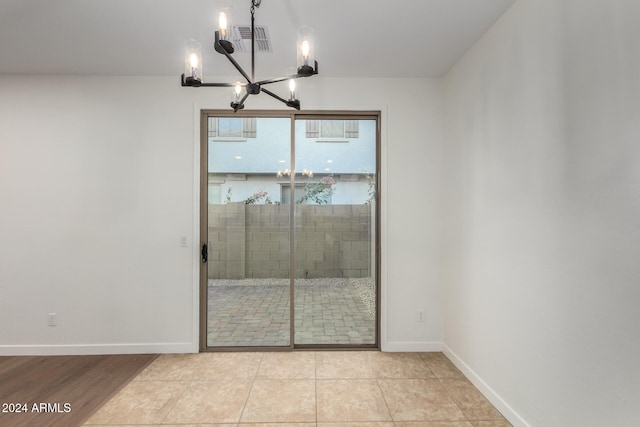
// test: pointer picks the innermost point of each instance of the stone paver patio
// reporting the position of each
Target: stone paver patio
(256, 313)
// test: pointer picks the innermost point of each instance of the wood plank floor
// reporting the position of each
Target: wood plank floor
(66, 390)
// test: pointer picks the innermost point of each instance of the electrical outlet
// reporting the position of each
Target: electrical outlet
(52, 319)
(420, 316)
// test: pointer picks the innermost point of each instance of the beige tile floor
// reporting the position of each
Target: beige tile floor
(306, 389)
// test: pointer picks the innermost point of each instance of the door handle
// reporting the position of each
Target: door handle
(204, 252)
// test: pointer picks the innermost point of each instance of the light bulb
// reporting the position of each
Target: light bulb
(222, 22)
(292, 89)
(305, 49)
(192, 62)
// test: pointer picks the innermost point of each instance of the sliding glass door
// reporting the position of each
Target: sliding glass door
(334, 215)
(289, 230)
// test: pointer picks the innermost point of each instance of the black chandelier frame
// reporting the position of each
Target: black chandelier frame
(252, 87)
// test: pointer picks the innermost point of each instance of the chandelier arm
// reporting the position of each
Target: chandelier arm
(236, 65)
(268, 92)
(239, 105)
(292, 76)
(289, 103)
(244, 98)
(278, 79)
(221, 84)
(184, 84)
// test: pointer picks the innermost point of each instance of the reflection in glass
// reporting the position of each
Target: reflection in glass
(248, 233)
(335, 285)
(254, 187)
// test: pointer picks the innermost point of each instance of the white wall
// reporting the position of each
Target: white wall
(542, 141)
(97, 188)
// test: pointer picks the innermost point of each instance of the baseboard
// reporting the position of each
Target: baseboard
(78, 350)
(502, 406)
(410, 346)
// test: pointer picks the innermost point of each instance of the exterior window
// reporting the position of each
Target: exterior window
(313, 128)
(249, 127)
(232, 127)
(286, 193)
(332, 129)
(351, 128)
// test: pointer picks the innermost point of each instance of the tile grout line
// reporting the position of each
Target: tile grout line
(385, 401)
(189, 384)
(373, 372)
(439, 379)
(433, 366)
(455, 401)
(434, 377)
(253, 381)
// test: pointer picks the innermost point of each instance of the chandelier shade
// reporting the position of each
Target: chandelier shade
(306, 63)
(305, 45)
(192, 62)
(224, 16)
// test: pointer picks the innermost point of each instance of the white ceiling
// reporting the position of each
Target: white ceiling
(367, 38)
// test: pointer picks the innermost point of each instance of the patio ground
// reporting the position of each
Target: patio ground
(255, 312)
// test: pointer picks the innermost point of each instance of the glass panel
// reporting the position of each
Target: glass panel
(335, 253)
(248, 235)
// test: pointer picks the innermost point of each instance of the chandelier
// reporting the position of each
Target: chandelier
(306, 63)
(287, 172)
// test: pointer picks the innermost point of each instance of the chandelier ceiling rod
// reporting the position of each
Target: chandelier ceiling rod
(254, 4)
(223, 45)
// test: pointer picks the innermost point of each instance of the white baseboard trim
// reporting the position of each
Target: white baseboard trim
(90, 349)
(410, 346)
(502, 406)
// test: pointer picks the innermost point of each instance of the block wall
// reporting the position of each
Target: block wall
(252, 241)
(227, 241)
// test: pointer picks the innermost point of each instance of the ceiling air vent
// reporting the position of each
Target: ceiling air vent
(242, 38)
